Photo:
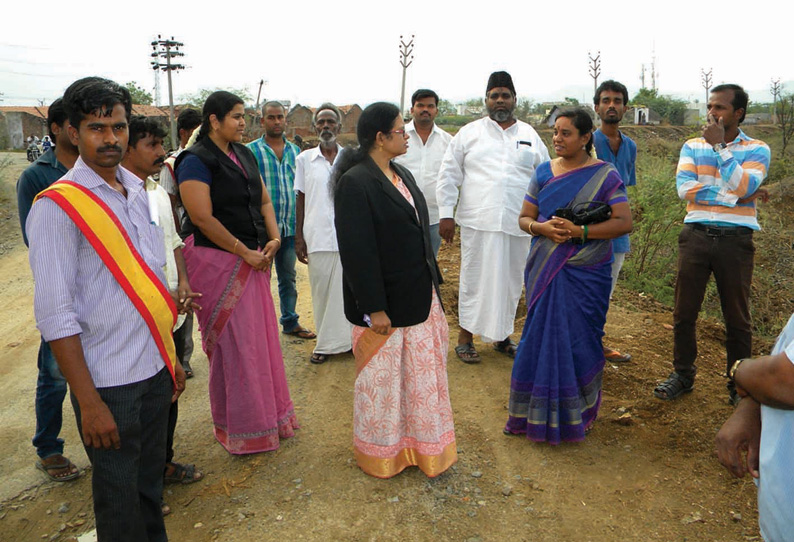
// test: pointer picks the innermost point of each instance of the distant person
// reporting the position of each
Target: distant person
(427, 144)
(759, 437)
(51, 384)
(233, 241)
(102, 303)
(315, 236)
(276, 159)
(611, 145)
(46, 144)
(719, 175)
(401, 410)
(489, 163)
(555, 388)
(144, 157)
(187, 122)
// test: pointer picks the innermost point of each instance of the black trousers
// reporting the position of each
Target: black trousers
(730, 259)
(173, 412)
(127, 483)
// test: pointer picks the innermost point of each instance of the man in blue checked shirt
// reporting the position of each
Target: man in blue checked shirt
(276, 158)
(719, 176)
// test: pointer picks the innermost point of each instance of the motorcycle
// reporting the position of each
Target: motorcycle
(33, 152)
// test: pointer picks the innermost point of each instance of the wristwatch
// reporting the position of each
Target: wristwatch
(719, 146)
(734, 368)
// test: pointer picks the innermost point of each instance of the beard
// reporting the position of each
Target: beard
(501, 115)
(611, 120)
(327, 137)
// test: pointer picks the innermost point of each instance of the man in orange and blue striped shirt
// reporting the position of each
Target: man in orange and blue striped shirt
(719, 176)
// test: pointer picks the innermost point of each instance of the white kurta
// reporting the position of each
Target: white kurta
(423, 160)
(490, 168)
(312, 176)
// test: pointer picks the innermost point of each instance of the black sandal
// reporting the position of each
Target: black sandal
(467, 354)
(507, 347)
(674, 387)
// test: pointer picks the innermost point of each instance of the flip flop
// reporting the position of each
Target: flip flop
(507, 347)
(317, 359)
(65, 464)
(301, 333)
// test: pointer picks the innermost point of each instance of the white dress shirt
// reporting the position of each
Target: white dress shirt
(312, 175)
(491, 168)
(424, 161)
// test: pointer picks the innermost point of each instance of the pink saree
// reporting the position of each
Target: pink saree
(249, 398)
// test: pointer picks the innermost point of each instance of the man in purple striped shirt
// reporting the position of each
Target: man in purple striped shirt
(121, 389)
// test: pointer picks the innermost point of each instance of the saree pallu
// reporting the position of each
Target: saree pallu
(555, 390)
(402, 414)
(249, 398)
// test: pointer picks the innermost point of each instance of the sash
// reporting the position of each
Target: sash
(102, 229)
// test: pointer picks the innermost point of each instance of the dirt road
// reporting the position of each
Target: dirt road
(650, 475)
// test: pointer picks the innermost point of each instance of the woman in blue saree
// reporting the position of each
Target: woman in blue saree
(555, 390)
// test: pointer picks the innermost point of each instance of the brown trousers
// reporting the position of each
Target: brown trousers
(730, 259)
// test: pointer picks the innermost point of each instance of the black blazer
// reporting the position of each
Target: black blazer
(387, 260)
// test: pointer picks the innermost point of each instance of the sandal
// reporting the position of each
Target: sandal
(674, 387)
(182, 474)
(164, 508)
(188, 370)
(612, 355)
(317, 359)
(301, 333)
(506, 346)
(467, 354)
(61, 463)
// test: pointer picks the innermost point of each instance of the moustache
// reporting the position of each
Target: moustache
(160, 161)
(109, 148)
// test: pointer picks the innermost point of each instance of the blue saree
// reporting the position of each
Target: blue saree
(555, 389)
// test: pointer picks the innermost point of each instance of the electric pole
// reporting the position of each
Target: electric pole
(775, 90)
(705, 80)
(259, 94)
(168, 49)
(595, 69)
(405, 51)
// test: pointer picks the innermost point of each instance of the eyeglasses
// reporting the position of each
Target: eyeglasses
(401, 132)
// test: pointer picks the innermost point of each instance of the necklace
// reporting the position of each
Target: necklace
(577, 166)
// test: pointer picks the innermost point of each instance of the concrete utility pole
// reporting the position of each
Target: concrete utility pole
(595, 69)
(705, 80)
(774, 88)
(168, 49)
(405, 51)
(642, 76)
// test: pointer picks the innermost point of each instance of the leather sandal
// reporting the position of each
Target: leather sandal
(674, 387)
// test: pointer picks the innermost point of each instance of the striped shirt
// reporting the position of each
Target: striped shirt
(279, 177)
(76, 294)
(713, 183)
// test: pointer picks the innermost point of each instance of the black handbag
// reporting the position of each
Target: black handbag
(584, 213)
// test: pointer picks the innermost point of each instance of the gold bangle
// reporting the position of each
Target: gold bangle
(278, 240)
(234, 250)
(532, 233)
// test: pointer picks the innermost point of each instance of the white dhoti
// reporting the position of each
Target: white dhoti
(491, 278)
(334, 332)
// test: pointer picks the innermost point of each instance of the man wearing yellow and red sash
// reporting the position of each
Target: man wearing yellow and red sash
(102, 304)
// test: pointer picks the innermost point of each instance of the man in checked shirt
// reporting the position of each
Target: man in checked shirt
(719, 176)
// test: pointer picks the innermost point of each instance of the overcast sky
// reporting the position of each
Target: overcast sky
(348, 51)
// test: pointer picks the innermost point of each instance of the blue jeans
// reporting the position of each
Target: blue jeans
(50, 393)
(287, 291)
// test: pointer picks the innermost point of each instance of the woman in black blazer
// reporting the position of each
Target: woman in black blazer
(402, 414)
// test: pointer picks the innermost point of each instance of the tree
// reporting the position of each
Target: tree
(445, 107)
(571, 101)
(198, 98)
(785, 118)
(524, 108)
(669, 108)
(139, 95)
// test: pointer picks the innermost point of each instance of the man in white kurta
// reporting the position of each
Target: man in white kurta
(489, 164)
(315, 235)
(427, 144)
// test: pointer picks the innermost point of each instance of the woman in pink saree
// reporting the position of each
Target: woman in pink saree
(233, 238)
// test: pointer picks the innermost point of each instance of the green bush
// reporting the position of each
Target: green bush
(658, 214)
